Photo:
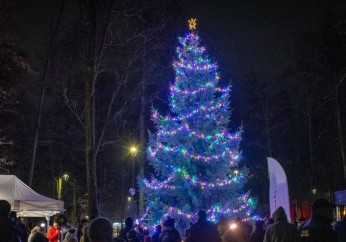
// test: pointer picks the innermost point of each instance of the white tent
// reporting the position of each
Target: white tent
(25, 201)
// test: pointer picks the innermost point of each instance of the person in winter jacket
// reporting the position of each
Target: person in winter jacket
(155, 237)
(84, 237)
(71, 236)
(133, 236)
(319, 227)
(169, 233)
(80, 227)
(146, 236)
(8, 232)
(340, 228)
(54, 232)
(222, 227)
(19, 225)
(38, 237)
(258, 234)
(34, 231)
(204, 230)
(124, 232)
(281, 230)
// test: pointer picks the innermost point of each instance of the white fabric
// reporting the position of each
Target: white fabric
(278, 188)
(25, 201)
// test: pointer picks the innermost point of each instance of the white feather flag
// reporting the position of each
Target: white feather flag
(278, 188)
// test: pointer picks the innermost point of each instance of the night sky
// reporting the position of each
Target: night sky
(256, 37)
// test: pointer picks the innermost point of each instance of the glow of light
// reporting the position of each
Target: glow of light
(66, 177)
(133, 150)
(233, 226)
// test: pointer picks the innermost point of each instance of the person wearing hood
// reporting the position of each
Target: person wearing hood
(281, 230)
(169, 233)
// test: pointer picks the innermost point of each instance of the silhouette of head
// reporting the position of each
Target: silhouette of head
(129, 222)
(5, 209)
(100, 230)
(202, 215)
(169, 222)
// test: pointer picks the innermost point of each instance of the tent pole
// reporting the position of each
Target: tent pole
(47, 218)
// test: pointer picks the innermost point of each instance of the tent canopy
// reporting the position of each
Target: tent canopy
(25, 201)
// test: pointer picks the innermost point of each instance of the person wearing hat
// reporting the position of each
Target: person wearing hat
(169, 233)
(319, 227)
(204, 230)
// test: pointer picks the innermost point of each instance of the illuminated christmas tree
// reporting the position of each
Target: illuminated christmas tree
(193, 152)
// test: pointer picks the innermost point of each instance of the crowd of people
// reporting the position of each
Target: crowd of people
(319, 228)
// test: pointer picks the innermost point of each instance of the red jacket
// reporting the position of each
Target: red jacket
(52, 234)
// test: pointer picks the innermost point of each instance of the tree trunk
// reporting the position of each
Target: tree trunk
(38, 124)
(341, 141)
(90, 116)
(267, 130)
(311, 160)
(142, 127)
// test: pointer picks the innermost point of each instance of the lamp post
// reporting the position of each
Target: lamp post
(132, 191)
(129, 200)
(59, 185)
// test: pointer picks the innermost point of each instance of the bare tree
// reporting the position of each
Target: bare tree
(54, 29)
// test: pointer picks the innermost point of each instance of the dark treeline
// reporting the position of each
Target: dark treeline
(298, 118)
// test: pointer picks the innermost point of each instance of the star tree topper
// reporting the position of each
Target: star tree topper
(192, 23)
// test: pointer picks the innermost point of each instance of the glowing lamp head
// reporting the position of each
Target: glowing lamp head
(133, 150)
(66, 177)
(314, 191)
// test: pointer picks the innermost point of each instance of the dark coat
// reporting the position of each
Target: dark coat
(38, 237)
(340, 228)
(8, 232)
(169, 234)
(281, 230)
(317, 230)
(123, 234)
(257, 235)
(204, 231)
(155, 237)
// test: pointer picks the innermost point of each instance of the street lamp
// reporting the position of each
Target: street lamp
(133, 151)
(129, 200)
(314, 191)
(132, 190)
